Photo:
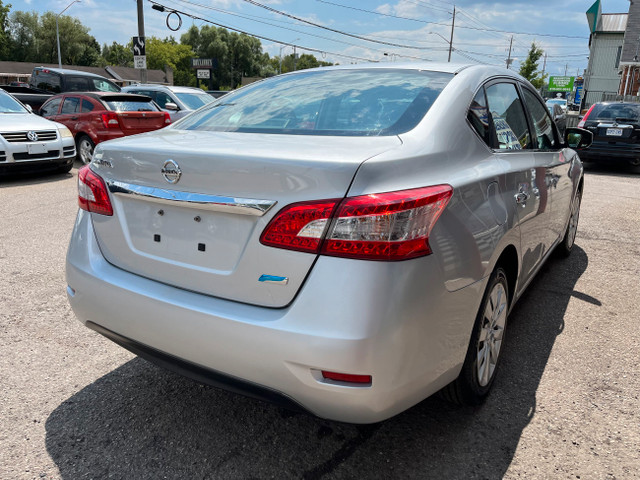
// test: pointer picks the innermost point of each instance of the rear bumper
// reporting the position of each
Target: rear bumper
(606, 151)
(394, 321)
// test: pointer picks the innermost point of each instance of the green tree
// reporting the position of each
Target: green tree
(5, 38)
(529, 68)
(118, 55)
(24, 36)
(167, 52)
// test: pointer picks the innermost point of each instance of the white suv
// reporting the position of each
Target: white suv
(178, 101)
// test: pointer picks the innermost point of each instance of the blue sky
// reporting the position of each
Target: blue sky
(560, 28)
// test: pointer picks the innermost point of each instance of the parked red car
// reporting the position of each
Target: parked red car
(94, 117)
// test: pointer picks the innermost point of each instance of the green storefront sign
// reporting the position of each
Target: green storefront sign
(561, 84)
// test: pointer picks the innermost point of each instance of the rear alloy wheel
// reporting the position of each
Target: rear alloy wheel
(483, 355)
(85, 149)
(566, 246)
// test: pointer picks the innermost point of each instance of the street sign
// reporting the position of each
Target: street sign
(203, 73)
(578, 96)
(561, 84)
(139, 61)
(138, 46)
(204, 63)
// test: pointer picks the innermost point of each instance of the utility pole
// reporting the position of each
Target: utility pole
(294, 58)
(143, 71)
(453, 24)
(509, 57)
(544, 64)
(566, 67)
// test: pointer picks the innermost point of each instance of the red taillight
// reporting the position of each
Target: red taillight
(299, 226)
(584, 119)
(110, 120)
(347, 377)
(387, 226)
(167, 118)
(93, 195)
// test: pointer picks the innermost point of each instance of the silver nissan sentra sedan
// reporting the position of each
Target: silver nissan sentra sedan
(347, 240)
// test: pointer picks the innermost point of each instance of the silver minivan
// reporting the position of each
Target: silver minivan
(178, 101)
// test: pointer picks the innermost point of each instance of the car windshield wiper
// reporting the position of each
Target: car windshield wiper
(626, 119)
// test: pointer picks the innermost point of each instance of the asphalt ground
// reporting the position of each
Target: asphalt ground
(565, 404)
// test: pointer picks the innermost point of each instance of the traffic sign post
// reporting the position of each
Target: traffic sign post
(139, 53)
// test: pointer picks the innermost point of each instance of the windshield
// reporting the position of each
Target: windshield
(9, 105)
(362, 102)
(616, 111)
(194, 101)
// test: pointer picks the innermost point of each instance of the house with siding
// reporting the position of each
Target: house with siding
(606, 41)
(630, 62)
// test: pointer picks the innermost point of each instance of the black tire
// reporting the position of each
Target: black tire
(474, 383)
(85, 146)
(565, 247)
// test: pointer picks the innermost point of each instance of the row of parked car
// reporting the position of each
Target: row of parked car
(92, 108)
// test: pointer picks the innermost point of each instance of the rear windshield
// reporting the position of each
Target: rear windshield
(364, 102)
(194, 101)
(119, 104)
(615, 111)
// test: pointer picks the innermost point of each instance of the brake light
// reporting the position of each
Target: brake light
(93, 195)
(387, 226)
(584, 119)
(110, 120)
(167, 118)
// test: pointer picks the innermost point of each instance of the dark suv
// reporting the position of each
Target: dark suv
(616, 132)
(59, 80)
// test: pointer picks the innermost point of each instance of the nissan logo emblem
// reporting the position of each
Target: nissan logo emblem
(33, 136)
(171, 171)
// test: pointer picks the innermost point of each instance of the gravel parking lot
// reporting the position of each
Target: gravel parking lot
(565, 405)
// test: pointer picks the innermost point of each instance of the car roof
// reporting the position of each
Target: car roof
(173, 88)
(66, 71)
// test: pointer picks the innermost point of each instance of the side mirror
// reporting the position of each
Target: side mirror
(577, 138)
(171, 106)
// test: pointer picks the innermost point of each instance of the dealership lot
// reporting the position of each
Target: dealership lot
(565, 405)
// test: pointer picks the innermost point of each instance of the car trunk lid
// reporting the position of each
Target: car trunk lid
(202, 231)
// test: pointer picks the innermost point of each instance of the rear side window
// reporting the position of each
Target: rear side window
(542, 123)
(50, 108)
(87, 106)
(508, 117)
(76, 84)
(46, 81)
(70, 105)
(478, 116)
(363, 102)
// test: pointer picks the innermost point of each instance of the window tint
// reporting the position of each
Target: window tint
(479, 116)
(363, 102)
(70, 105)
(508, 117)
(76, 84)
(46, 81)
(87, 106)
(162, 98)
(50, 108)
(615, 111)
(194, 101)
(542, 123)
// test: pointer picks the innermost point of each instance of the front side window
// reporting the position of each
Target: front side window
(50, 108)
(542, 123)
(70, 105)
(508, 117)
(364, 102)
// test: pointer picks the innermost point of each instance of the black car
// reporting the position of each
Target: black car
(60, 80)
(616, 132)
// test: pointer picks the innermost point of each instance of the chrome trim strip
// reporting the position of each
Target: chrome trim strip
(273, 279)
(216, 203)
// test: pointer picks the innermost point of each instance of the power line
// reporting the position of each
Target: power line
(373, 12)
(196, 17)
(279, 12)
